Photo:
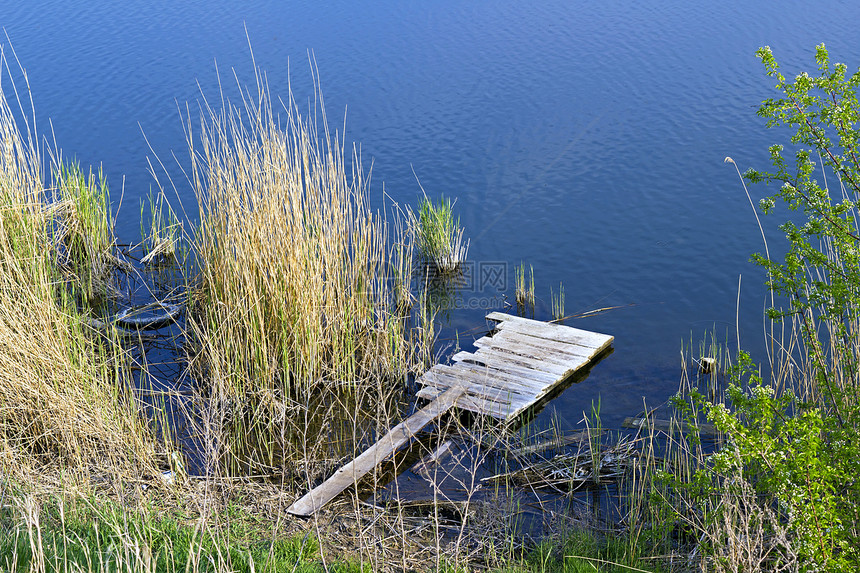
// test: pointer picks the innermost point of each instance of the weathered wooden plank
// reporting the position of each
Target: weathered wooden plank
(536, 356)
(533, 335)
(533, 353)
(558, 332)
(471, 403)
(503, 407)
(667, 425)
(494, 378)
(474, 388)
(501, 357)
(441, 382)
(364, 463)
(549, 329)
(517, 369)
(573, 342)
(502, 375)
(509, 374)
(561, 350)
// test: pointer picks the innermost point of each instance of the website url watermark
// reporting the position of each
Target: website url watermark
(471, 276)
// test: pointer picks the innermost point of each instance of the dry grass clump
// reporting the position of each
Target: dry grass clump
(296, 309)
(64, 402)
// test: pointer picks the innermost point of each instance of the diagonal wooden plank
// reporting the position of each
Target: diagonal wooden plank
(369, 459)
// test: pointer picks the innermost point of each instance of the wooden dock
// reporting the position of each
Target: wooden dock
(515, 366)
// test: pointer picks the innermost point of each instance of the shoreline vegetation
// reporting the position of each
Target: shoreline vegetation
(298, 318)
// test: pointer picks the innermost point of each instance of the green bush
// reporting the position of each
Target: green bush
(792, 447)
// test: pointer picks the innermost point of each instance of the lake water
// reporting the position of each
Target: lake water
(585, 139)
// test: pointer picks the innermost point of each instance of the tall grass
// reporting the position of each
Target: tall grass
(65, 397)
(438, 235)
(300, 294)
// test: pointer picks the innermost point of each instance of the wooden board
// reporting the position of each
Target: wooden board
(477, 404)
(668, 425)
(514, 367)
(490, 355)
(474, 387)
(558, 332)
(492, 377)
(511, 368)
(369, 459)
(557, 349)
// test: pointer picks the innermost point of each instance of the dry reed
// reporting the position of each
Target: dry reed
(65, 398)
(297, 313)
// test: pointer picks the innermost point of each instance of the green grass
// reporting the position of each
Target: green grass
(438, 235)
(583, 552)
(101, 536)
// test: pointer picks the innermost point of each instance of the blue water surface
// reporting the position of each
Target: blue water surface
(585, 139)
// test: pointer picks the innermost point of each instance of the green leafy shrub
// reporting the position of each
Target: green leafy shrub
(790, 464)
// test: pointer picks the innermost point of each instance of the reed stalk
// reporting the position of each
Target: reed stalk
(525, 291)
(558, 303)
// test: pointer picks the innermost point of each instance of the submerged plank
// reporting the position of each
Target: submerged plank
(668, 426)
(367, 461)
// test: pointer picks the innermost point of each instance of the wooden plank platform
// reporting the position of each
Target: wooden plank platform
(515, 366)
